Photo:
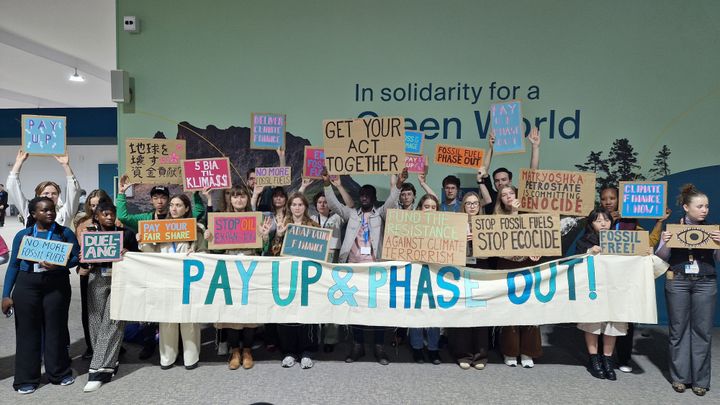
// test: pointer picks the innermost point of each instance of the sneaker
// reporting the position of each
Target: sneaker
(464, 366)
(418, 356)
(222, 349)
(306, 362)
(67, 380)
(381, 356)
(479, 366)
(510, 361)
(625, 368)
(88, 354)
(357, 352)
(92, 386)
(288, 361)
(26, 389)
(526, 361)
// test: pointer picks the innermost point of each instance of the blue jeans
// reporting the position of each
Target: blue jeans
(433, 337)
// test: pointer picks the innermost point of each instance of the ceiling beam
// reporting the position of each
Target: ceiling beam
(28, 99)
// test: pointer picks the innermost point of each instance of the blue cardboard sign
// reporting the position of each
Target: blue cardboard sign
(101, 247)
(44, 250)
(413, 142)
(642, 199)
(267, 131)
(306, 241)
(507, 124)
(43, 135)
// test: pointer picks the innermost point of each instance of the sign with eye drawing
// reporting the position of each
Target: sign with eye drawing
(692, 236)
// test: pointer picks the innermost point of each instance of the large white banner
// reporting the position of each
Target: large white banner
(248, 289)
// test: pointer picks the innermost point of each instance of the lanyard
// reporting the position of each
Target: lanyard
(174, 247)
(365, 228)
(322, 225)
(50, 232)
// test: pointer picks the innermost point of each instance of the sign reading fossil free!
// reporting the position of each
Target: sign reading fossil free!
(625, 243)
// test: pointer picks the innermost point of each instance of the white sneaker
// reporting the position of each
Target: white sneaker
(288, 361)
(510, 361)
(92, 386)
(625, 368)
(526, 361)
(464, 366)
(306, 362)
(223, 349)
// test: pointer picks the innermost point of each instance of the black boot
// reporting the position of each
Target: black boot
(381, 356)
(357, 352)
(609, 368)
(418, 356)
(596, 367)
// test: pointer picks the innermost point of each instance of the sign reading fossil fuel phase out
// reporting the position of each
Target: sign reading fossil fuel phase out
(267, 131)
(273, 176)
(313, 162)
(557, 191)
(643, 199)
(692, 236)
(43, 250)
(625, 243)
(364, 145)
(459, 156)
(425, 237)
(101, 246)
(507, 124)
(43, 135)
(235, 230)
(167, 230)
(200, 174)
(516, 235)
(306, 241)
(154, 161)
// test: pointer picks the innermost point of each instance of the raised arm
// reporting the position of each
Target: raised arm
(392, 199)
(482, 188)
(423, 183)
(534, 139)
(14, 189)
(491, 147)
(281, 156)
(335, 206)
(72, 201)
(256, 195)
(349, 202)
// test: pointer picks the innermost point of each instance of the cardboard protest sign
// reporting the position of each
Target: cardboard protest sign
(425, 236)
(415, 163)
(43, 134)
(154, 161)
(507, 124)
(267, 131)
(235, 230)
(167, 230)
(562, 192)
(313, 162)
(413, 142)
(692, 236)
(364, 145)
(273, 176)
(101, 247)
(307, 241)
(459, 156)
(625, 243)
(200, 174)
(516, 235)
(44, 250)
(642, 199)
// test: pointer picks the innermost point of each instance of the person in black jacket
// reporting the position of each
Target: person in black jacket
(3, 204)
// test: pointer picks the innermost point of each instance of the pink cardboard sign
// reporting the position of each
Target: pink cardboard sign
(415, 163)
(199, 174)
(313, 162)
(235, 230)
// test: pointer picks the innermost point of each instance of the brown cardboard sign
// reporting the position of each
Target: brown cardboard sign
(516, 235)
(557, 191)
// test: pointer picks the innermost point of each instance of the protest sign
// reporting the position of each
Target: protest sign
(235, 230)
(692, 236)
(313, 162)
(200, 174)
(273, 176)
(642, 199)
(425, 236)
(364, 145)
(154, 161)
(507, 124)
(267, 131)
(101, 246)
(459, 156)
(414, 142)
(167, 230)
(43, 134)
(44, 250)
(628, 243)
(207, 288)
(516, 235)
(415, 163)
(562, 192)
(306, 241)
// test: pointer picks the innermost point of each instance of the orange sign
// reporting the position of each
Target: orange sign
(168, 230)
(459, 156)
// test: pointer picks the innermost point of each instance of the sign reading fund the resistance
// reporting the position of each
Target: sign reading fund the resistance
(516, 235)
(643, 199)
(364, 145)
(273, 176)
(43, 250)
(562, 192)
(200, 174)
(167, 230)
(507, 124)
(235, 230)
(267, 131)
(459, 156)
(313, 162)
(154, 161)
(626, 243)
(101, 247)
(306, 241)
(43, 135)
(692, 236)
(425, 237)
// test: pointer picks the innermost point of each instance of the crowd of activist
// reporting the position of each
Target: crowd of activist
(38, 293)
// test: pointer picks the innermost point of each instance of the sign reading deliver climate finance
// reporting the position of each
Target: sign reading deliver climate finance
(642, 199)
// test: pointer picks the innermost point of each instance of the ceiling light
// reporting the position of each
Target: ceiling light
(76, 77)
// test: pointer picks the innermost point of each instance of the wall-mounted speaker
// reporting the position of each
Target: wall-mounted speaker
(120, 86)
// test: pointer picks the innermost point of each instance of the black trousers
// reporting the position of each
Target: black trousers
(294, 338)
(42, 301)
(2, 217)
(234, 337)
(469, 345)
(84, 309)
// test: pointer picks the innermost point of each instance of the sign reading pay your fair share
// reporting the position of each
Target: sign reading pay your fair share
(168, 230)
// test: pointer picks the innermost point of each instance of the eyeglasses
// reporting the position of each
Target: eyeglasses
(472, 203)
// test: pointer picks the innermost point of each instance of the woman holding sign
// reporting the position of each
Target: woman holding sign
(41, 297)
(690, 292)
(180, 207)
(295, 341)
